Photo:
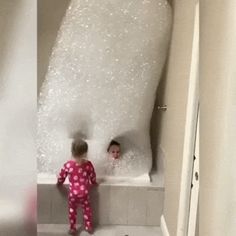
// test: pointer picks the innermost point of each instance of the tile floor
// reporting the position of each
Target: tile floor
(61, 230)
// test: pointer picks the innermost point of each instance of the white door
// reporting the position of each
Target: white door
(189, 196)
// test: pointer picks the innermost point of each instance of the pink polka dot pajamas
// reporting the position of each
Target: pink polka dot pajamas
(81, 178)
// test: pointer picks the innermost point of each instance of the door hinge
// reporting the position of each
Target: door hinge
(196, 176)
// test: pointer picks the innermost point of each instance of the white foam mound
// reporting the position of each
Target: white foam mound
(101, 82)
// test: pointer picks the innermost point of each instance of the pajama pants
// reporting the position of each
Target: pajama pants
(74, 202)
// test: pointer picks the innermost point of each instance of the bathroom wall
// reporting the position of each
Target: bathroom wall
(218, 118)
(157, 116)
(50, 14)
(172, 122)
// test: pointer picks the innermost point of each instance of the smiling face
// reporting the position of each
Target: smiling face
(114, 151)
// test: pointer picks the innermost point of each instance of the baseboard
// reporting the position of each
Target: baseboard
(164, 228)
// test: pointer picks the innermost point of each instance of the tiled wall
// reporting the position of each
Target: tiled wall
(112, 205)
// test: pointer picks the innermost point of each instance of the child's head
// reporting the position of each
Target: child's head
(114, 149)
(79, 148)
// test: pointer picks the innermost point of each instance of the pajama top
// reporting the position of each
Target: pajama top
(81, 177)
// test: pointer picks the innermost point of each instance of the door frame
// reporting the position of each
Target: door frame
(194, 196)
(189, 134)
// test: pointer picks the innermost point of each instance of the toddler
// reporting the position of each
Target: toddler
(81, 176)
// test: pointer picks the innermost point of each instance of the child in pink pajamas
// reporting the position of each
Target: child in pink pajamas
(81, 176)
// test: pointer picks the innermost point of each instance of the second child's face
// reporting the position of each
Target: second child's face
(114, 151)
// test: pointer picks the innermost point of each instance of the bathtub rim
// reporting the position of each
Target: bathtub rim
(142, 181)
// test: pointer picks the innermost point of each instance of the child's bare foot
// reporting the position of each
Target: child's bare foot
(72, 232)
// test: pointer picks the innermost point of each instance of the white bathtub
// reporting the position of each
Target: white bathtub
(106, 199)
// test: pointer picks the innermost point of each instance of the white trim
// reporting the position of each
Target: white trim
(193, 208)
(164, 229)
(189, 136)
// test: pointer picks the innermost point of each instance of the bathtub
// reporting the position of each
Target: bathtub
(146, 196)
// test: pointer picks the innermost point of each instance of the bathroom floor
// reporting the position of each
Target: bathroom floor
(61, 230)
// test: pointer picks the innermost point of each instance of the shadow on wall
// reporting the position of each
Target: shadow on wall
(157, 115)
(48, 11)
(156, 119)
(170, 2)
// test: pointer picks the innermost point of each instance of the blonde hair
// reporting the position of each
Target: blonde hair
(79, 147)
